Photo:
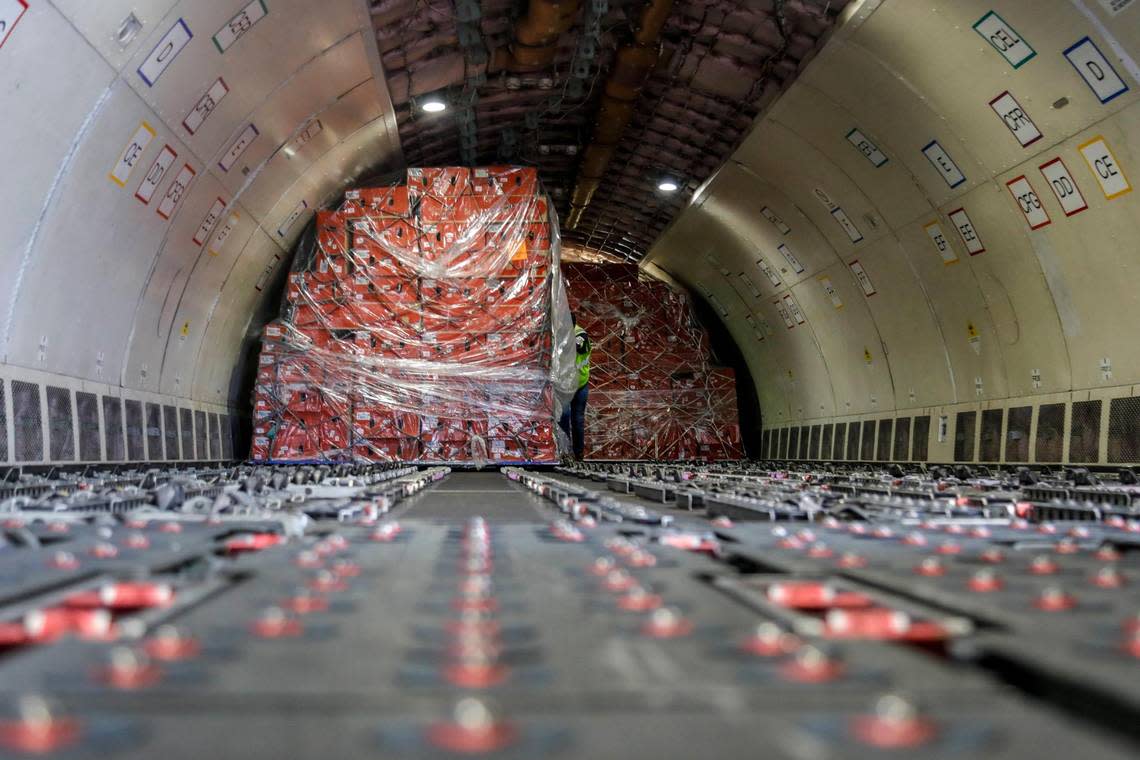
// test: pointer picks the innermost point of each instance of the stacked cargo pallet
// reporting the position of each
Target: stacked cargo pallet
(653, 394)
(419, 329)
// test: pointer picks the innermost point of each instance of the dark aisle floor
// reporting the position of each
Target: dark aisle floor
(467, 494)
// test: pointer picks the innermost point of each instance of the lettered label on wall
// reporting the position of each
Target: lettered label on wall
(165, 52)
(769, 272)
(832, 293)
(784, 315)
(1063, 185)
(945, 165)
(1095, 69)
(1028, 202)
(848, 226)
(11, 11)
(966, 231)
(152, 178)
(241, 23)
(1015, 119)
(1105, 168)
(1004, 39)
(776, 221)
(290, 220)
(205, 105)
(794, 309)
(795, 264)
(866, 147)
(175, 192)
(131, 154)
(211, 218)
(863, 278)
(941, 244)
(237, 147)
(224, 234)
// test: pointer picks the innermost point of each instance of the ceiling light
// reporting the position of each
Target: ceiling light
(667, 186)
(433, 105)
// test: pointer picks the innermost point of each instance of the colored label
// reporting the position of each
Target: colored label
(866, 147)
(791, 258)
(175, 192)
(1004, 39)
(967, 232)
(292, 218)
(165, 52)
(1063, 185)
(157, 171)
(863, 278)
(784, 315)
(11, 11)
(1015, 119)
(776, 221)
(205, 106)
(1095, 69)
(1029, 202)
(941, 244)
(131, 154)
(304, 135)
(237, 147)
(848, 226)
(945, 165)
(241, 23)
(224, 234)
(209, 221)
(1105, 168)
(794, 309)
(832, 293)
(769, 272)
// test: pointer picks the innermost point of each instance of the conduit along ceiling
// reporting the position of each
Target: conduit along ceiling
(608, 98)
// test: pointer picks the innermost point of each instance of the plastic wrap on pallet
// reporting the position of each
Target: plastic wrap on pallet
(425, 322)
(653, 392)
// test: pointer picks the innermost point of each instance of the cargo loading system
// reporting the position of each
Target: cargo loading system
(549, 378)
(591, 611)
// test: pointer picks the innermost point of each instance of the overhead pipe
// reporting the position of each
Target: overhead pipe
(633, 63)
(535, 40)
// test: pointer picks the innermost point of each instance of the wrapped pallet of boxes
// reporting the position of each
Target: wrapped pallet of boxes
(653, 393)
(420, 328)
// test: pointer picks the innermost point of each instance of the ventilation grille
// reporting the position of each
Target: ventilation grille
(853, 440)
(765, 439)
(782, 444)
(1017, 434)
(840, 441)
(804, 432)
(170, 423)
(27, 423)
(1050, 431)
(990, 448)
(113, 429)
(61, 432)
(1084, 432)
(793, 442)
(813, 451)
(3, 424)
(227, 437)
(135, 430)
(186, 418)
(886, 436)
(87, 410)
(200, 435)
(216, 436)
(921, 436)
(867, 452)
(825, 442)
(964, 436)
(902, 439)
(1124, 430)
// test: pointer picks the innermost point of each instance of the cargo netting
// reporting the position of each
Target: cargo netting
(653, 394)
(423, 321)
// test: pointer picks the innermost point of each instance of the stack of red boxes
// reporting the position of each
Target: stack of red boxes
(418, 329)
(653, 394)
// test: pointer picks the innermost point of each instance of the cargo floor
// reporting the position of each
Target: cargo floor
(467, 494)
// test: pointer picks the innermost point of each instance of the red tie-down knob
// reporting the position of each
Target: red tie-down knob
(474, 728)
(128, 669)
(895, 724)
(171, 644)
(769, 640)
(37, 728)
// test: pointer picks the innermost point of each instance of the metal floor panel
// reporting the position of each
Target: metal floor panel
(468, 494)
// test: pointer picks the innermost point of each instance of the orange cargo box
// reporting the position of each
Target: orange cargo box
(439, 181)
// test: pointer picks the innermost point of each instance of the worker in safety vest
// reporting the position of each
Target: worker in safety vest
(573, 420)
